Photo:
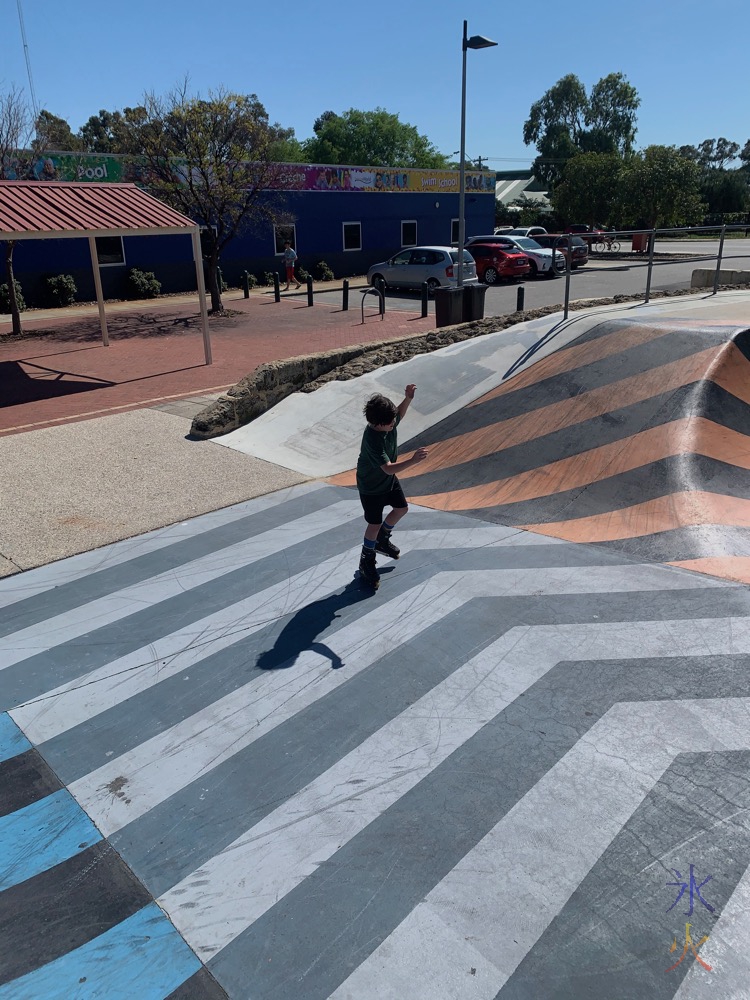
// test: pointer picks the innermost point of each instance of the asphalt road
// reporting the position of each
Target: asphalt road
(602, 278)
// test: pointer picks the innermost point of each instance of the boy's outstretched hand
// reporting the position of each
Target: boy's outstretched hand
(410, 390)
(420, 454)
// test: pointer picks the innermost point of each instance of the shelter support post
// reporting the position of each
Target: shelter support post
(198, 258)
(98, 286)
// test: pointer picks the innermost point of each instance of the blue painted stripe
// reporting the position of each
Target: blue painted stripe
(12, 740)
(42, 835)
(141, 957)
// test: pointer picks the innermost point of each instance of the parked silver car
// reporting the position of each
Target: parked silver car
(411, 267)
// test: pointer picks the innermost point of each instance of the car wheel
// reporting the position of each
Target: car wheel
(552, 273)
(379, 282)
(490, 276)
(534, 272)
(432, 284)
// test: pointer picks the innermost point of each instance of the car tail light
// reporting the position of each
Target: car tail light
(449, 271)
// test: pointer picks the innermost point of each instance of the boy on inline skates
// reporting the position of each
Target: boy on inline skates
(377, 482)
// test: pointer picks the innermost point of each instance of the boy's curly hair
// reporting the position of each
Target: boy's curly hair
(379, 410)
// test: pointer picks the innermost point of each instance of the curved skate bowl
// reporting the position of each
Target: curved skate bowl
(633, 437)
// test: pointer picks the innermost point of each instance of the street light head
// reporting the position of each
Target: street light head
(479, 42)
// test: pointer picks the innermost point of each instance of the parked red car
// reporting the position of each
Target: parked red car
(559, 241)
(495, 262)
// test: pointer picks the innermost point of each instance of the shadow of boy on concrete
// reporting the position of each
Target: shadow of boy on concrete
(299, 633)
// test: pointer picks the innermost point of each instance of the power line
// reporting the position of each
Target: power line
(28, 60)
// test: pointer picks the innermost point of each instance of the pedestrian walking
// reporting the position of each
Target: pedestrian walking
(290, 259)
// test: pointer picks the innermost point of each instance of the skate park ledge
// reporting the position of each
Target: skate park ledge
(703, 277)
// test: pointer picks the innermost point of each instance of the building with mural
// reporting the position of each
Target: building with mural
(348, 216)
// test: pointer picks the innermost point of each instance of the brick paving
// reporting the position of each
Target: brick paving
(156, 351)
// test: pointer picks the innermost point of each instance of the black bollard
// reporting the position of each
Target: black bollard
(246, 284)
(345, 301)
(309, 290)
(519, 298)
(425, 298)
(276, 291)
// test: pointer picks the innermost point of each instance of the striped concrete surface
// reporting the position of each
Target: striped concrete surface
(633, 437)
(226, 770)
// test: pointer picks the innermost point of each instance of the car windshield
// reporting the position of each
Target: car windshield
(468, 259)
(527, 244)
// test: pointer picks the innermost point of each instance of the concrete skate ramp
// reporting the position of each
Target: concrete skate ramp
(634, 437)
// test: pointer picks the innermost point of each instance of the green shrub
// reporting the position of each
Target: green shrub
(268, 277)
(5, 298)
(302, 273)
(323, 271)
(62, 290)
(252, 281)
(143, 284)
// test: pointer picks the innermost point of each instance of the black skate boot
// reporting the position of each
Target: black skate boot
(385, 545)
(368, 571)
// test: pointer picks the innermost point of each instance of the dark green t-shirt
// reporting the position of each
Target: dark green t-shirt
(378, 447)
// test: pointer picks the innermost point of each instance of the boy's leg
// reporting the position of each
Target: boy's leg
(395, 516)
(397, 501)
(373, 508)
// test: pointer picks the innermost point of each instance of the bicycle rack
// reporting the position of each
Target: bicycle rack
(371, 290)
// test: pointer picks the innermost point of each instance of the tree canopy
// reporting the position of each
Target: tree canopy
(566, 121)
(589, 191)
(210, 158)
(661, 188)
(111, 131)
(370, 137)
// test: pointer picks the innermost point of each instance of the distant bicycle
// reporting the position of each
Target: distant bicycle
(606, 245)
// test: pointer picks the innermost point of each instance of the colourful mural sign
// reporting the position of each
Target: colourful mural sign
(284, 176)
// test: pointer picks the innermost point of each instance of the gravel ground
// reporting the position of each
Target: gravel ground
(73, 488)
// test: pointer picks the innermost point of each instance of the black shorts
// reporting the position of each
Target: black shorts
(374, 504)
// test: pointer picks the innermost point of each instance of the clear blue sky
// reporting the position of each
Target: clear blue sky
(686, 58)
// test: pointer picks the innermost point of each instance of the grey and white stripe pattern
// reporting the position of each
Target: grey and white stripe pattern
(475, 783)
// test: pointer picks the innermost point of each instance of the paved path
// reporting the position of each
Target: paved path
(156, 352)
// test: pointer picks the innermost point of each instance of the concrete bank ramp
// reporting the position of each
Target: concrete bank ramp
(318, 434)
(633, 437)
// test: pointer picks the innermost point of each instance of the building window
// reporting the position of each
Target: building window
(352, 235)
(454, 231)
(409, 233)
(109, 250)
(282, 235)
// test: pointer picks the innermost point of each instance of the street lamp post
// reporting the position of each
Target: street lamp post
(475, 42)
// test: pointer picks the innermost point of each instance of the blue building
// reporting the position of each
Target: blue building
(349, 217)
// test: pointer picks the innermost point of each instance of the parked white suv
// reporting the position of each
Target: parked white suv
(541, 259)
(527, 231)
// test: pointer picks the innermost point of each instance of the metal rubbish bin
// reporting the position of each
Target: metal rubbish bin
(473, 304)
(448, 306)
(640, 242)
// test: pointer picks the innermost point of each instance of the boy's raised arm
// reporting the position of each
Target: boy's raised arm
(403, 406)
